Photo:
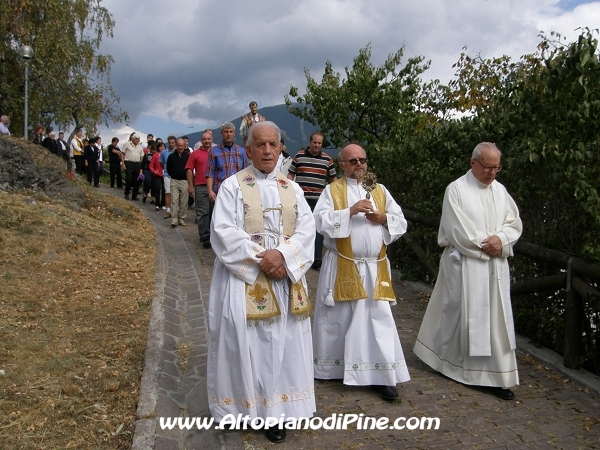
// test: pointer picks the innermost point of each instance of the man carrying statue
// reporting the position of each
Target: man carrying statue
(250, 119)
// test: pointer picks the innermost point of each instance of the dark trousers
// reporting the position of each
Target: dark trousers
(93, 172)
(158, 191)
(318, 237)
(147, 182)
(132, 172)
(79, 164)
(115, 172)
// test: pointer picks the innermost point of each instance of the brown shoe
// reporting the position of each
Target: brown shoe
(181, 223)
(167, 215)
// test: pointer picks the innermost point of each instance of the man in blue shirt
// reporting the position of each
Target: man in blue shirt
(223, 161)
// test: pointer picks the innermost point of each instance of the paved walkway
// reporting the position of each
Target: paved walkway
(550, 411)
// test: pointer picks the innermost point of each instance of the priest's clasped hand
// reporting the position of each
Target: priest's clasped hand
(492, 245)
(377, 217)
(364, 206)
(272, 264)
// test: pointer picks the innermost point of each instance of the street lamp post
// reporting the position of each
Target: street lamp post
(26, 53)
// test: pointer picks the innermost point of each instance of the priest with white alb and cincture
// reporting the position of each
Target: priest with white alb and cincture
(260, 358)
(355, 337)
(467, 333)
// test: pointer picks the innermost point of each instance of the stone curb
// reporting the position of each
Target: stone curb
(145, 427)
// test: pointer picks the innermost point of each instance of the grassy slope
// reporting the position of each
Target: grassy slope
(75, 288)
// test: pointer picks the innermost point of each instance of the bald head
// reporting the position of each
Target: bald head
(207, 140)
(180, 145)
(350, 161)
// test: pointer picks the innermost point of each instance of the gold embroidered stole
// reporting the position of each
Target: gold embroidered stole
(261, 304)
(348, 285)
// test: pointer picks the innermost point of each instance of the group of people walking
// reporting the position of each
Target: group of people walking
(263, 357)
(268, 216)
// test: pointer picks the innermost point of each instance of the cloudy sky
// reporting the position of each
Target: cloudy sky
(185, 65)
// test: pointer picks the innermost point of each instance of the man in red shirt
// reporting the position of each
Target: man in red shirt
(195, 170)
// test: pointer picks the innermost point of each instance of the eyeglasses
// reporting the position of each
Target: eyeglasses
(354, 161)
(488, 169)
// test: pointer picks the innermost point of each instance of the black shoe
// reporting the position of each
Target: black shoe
(316, 265)
(504, 394)
(126, 196)
(275, 435)
(206, 244)
(144, 199)
(388, 393)
(135, 199)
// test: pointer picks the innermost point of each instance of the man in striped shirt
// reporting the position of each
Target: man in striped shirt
(311, 169)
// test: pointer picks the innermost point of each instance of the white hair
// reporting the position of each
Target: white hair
(479, 148)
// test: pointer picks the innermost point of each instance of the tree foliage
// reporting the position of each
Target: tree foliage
(369, 105)
(542, 111)
(68, 79)
(545, 114)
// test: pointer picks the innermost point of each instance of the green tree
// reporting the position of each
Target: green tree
(69, 80)
(369, 105)
(542, 111)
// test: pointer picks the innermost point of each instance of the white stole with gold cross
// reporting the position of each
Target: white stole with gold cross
(261, 304)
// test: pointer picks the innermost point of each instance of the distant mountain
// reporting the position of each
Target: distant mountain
(295, 131)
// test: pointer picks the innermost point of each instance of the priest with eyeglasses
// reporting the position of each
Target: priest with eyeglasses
(467, 333)
(355, 336)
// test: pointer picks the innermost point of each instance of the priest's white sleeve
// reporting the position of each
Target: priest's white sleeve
(511, 228)
(396, 223)
(229, 240)
(298, 251)
(457, 229)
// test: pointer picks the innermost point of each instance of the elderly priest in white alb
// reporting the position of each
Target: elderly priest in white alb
(467, 333)
(260, 358)
(355, 337)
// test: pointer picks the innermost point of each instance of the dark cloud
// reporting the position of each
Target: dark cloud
(201, 61)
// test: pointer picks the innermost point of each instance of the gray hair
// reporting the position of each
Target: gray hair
(4, 118)
(258, 125)
(478, 149)
(135, 136)
(227, 125)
